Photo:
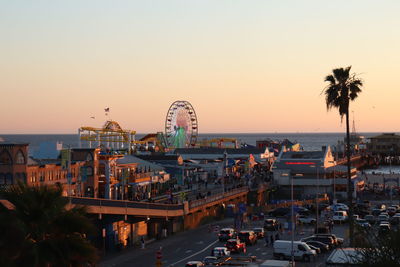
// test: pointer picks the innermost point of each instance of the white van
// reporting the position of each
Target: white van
(283, 250)
(340, 216)
(275, 263)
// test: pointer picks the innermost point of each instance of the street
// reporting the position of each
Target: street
(197, 243)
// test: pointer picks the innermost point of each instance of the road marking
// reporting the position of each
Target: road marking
(188, 257)
(257, 249)
(188, 251)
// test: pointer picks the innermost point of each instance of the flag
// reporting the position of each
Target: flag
(107, 110)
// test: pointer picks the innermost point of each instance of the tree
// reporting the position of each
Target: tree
(41, 231)
(378, 248)
(343, 88)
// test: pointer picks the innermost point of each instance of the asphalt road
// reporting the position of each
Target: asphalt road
(196, 244)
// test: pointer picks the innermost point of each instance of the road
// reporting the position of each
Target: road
(196, 244)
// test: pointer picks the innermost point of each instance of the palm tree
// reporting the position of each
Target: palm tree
(344, 87)
(41, 230)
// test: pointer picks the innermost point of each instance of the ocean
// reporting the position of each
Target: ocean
(309, 141)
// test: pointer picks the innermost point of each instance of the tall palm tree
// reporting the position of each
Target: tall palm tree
(343, 88)
(41, 230)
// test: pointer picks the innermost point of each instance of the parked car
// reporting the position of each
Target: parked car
(279, 212)
(339, 207)
(340, 216)
(270, 225)
(259, 231)
(194, 264)
(323, 247)
(323, 239)
(211, 261)
(391, 210)
(376, 212)
(248, 237)
(370, 218)
(235, 246)
(283, 249)
(383, 217)
(363, 223)
(317, 250)
(395, 220)
(306, 220)
(337, 240)
(384, 228)
(226, 233)
(220, 252)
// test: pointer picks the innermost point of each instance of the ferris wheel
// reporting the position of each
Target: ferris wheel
(181, 125)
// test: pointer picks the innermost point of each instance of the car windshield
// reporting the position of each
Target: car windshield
(245, 234)
(225, 232)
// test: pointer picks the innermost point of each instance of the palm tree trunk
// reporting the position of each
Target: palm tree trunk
(349, 181)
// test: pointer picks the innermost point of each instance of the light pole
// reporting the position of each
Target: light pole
(317, 204)
(292, 224)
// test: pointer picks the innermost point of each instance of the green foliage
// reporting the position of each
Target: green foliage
(343, 87)
(41, 231)
(379, 249)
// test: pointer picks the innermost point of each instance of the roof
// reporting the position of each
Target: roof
(158, 157)
(303, 155)
(386, 136)
(344, 256)
(216, 150)
(129, 159)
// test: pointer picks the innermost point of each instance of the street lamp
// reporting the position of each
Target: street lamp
(292, 224)
(317, 204)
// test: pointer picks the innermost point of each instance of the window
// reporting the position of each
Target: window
(5, 158)
(9, 178)
(89, 171)
(20, 158)
(301, 248)
(89, 157)
(2, 178)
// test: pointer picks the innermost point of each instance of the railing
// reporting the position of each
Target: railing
(209, 199)
(123, 204)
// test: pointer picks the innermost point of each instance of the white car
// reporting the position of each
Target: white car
(220, 252)
(306, 220)
(340, 216)
(339, 206)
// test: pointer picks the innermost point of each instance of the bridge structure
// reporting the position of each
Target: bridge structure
(158, 217)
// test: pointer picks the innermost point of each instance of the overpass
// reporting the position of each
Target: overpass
(157, 210)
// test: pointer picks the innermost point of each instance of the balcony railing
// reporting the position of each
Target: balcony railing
(213, 198)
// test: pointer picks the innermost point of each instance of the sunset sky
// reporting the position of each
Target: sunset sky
(245, 66)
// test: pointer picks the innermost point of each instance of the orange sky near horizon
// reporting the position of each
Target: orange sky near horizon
(255, 67)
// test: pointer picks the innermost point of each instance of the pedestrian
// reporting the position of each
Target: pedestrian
(266, 239)
(272, 239)
(142, 242)
(277, 236)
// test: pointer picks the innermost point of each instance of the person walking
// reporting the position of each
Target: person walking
(266, 237)
(272, 239)
(142, 242)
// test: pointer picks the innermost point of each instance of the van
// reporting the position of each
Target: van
(340, 216)
(275, 263)
(283, 250)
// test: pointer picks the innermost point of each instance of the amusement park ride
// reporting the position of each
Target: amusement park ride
(181, 127)
(181, 131)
